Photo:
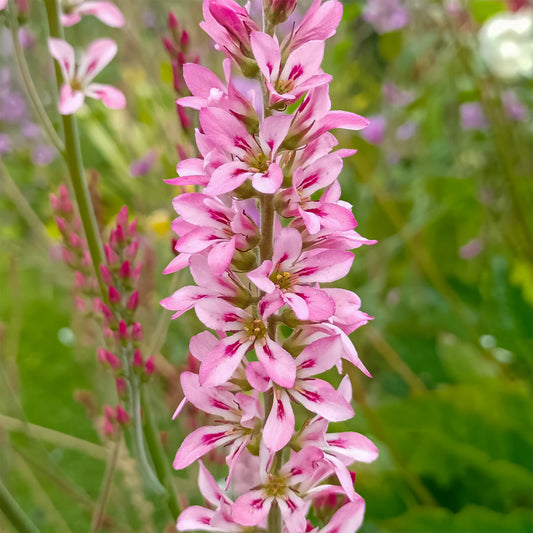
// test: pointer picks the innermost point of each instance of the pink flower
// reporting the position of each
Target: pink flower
(107, 12)
(3, 4)
(299, 72)
(249, 332)
(78, 78)
(287, 278)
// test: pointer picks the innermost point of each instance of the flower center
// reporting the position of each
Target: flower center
(255, 329)
(282, 279)
(76, 85)
(275, 486)
(259, 163)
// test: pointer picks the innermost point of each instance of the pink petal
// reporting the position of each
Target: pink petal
(221, 125)
(321, 174)
(351, 445)
(257, 376)
(64, 54)
(342, 119)
(220, 364)
(184, 299)
(260, 277)
(209, 487)
(218, 314)
(273, 130)
(270, 303)
(348, 519)
(297, 304)
(332, 216)
(251, 508)
(304, 62)
(69, 100)
(201, 80)
(324, 266)
(212, 400)
(69, 19)
(196, 240)
(107, 12)
(195, 518)
(311, 220)
(279, 426)
(278, 363)
(111, 97)
(98, 55)
(200, 442)
(270, 182)
(319, 397)
(319, 356)
(267, 54)
(227, 178)
(179, 262)
(319, 304)
(220, 256)
(287, 247)
(293, 512)
(201, 344)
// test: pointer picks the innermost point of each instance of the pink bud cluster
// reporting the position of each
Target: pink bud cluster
(78, 77)
(122, 333)
(177, 47)
(74, 250)
(261, 239)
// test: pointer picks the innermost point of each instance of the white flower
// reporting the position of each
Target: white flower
(506, 44)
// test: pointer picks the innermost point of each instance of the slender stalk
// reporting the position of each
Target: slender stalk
(27, 81)
(161, 463)
(99, 511)
(14, 513)
(74, 161)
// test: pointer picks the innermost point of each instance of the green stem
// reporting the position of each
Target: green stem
(27, 81)
(99, 511)
(74, 161)
(14, 513)
(161, 463)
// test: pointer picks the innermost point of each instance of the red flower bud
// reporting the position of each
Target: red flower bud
(122, 217)
(121, 386)
(133, 301)
(75, 240)
(61, 224)
(137, 360)
(125, 270)
(172, 21)
(122, 415)
(110, 255)
(106, 275)
(114, 295)
(131, 250)
(79, 280)
(122, 330)
(101, 356)
(169, 45)
(109, 412)
(137, 332)
(114, 362)
(149, 367)
(109, 430)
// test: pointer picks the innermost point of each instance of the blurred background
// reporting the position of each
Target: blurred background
(442, 179)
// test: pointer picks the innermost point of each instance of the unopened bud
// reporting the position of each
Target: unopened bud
(110, 255)
(122, 416)
(106, 275)
(133, 301)
(119, 234)
(105, 311)
(122, 217)
(131, 250)
(120, 384)
(169, 45)
(114, 362)
(79, 280)
(149, 367)
(101, 356)
(125, 270)
(79, 303)
(61, 224)
(137, 331)
(122, 330)
(172, 21)
(137, 360)
(114, 295)
(75, 240)
(109, 412)
(184, 41)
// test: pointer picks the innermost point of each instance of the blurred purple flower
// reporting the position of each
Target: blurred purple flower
(43, 154)
(472, 116)
(5, 143)
(30, 130)
(26, 38)
(386, 15)
(142, 166)
(395, 95)
(471, 249)
(406, 130)
(514, 109)
(375, 132)
(13, 108)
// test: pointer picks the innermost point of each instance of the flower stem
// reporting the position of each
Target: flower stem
(28, 82)
(14, 513)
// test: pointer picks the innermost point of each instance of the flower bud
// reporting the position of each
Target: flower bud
(61, 224)
(172, 21)
(137, 360)
(133, 301)
(110, 255)
(120, 384)
(122, 415)
(114, 295)
(122, 330)
(149, 367)
(122, 217)
(125, 270)
(137, 331)
(109, 412)
(106, 275)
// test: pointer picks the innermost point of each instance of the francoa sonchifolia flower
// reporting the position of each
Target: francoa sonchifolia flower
(264, 232)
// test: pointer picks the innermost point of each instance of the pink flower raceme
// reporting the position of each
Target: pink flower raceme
(78, 78)
(264, 232)
(108, 13)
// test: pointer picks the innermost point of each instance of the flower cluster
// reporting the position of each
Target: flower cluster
(78, 77)
(267, 230)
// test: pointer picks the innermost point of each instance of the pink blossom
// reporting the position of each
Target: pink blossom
(108, 13)
(78, 77)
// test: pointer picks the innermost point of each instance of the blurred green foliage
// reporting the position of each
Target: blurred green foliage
(450, 348)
